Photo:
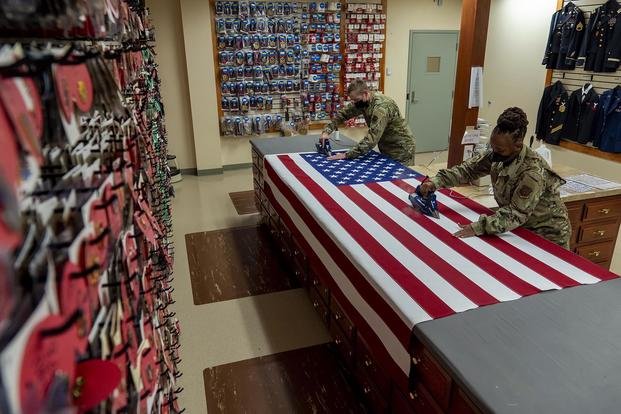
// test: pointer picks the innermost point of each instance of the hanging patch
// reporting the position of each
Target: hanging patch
(561, 108)
(579, 27)
(524, 191)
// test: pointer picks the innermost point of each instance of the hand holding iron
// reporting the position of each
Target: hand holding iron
(427, 187)
(337, 156)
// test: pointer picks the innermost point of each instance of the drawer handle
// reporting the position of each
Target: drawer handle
(599, 233)
(595, 253)
(337, 316)
(368, 363)
(604, 211)
(338, 341)
(326, 291)
(296, 252)
(315, 304)
(415, 361)
(366, 389)
(298, 273)
(413, 395)
(315, 282)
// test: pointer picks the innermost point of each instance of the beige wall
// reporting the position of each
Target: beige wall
(166, 15)
(403, 16)
(514, 75)
(197, 21)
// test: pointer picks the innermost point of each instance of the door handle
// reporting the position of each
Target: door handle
(413, 97)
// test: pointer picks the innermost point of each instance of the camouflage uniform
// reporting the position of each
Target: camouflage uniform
(526, 190)
(387, 129)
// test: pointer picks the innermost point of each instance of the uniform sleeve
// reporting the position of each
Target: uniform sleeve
(546, 54)
(525, 197)
(469, 170)
(575, 40)
(540, 126)
(347, 112)
(586, 41)
(613, 49)
(379, 120)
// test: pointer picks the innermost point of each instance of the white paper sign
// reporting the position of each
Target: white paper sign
(471, 137)
(476, 87)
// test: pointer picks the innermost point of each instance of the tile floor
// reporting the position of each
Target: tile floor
(234, 330)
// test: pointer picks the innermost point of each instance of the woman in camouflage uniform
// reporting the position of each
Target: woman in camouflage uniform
(525, 187)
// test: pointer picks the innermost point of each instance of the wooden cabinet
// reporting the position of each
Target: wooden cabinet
(595, 226)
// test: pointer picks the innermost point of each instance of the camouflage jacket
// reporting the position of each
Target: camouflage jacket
(387, 129)
(526, 190)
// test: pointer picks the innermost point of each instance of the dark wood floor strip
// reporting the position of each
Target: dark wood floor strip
(307, 380)
(235, 263)
(244, 202)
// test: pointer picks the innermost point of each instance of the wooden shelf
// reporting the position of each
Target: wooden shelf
(574, 146)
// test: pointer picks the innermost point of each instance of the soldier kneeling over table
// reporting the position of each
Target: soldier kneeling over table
(387, 128)
(525, 187)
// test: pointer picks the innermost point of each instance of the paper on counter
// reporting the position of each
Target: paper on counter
(573, 187)
(593, 181)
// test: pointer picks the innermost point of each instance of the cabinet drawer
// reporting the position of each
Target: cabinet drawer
(574, 212)
(373, 398)
(433, 376)
(366, 363)
(601, 231)
(343, 344)
(257, 160)
(300, 264)
(320, 307)
(599, 252)
(419, 401)
(341, 319)
(610, 208)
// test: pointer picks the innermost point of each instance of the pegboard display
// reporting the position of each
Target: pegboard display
(583, 52)
(279, 64)
(85, 252)
(364, 54)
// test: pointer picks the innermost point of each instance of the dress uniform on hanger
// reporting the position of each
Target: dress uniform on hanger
(552, 113)
(600, 51)
(581, 115)
(565, 38)
(609, 124)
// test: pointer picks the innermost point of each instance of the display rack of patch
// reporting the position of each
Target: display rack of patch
(321, 35)
(85, 319)
(573, 79)
(259, 65)
(365, 46)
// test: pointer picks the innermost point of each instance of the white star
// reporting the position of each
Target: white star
(333, 176)
(341, 182)
(359, 180)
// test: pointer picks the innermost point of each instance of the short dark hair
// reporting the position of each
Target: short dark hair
(512, 121)
(358, 86)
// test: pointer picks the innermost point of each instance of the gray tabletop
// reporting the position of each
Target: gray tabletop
(555, 352)
(305, 143)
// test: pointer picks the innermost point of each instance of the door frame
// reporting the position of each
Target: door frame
(409, 77)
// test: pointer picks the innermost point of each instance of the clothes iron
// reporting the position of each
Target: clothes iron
(324, 147)
(426, 205)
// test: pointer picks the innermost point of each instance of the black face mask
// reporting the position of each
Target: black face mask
(361, 105)
(496, 157)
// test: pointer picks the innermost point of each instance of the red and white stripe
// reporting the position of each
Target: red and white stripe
(397, 267)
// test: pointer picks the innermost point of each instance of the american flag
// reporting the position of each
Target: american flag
(391, 267)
